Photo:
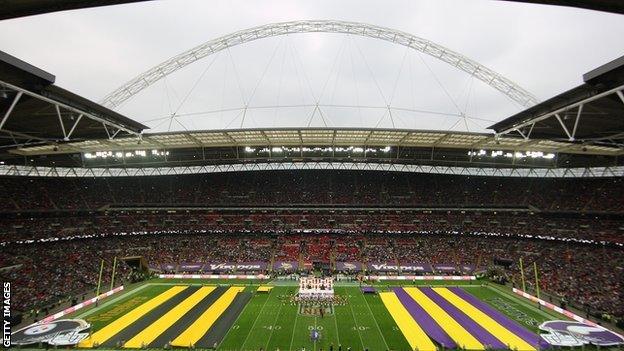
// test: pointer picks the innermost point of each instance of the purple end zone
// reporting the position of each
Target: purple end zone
(424, 320)
(525, 334)
(475, 329)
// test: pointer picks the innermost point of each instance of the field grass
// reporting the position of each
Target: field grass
(271, 321)
(520, 310)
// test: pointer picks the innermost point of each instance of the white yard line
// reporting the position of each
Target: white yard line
(266, 346)
(336, 324)
(356, 325)
(235, 322)
(292, 335)
(377, 324)
(254, 323)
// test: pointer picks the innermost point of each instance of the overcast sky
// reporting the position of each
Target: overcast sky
(544, 49)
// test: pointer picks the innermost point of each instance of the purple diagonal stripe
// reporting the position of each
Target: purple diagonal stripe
(424, 320)
(475, 329)
(523, 333)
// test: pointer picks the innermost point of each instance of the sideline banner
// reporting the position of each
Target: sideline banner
(467, 268)
(445, 268)
(231, 266)
(349, 266)
(403, 267)
(553, 307)
(168, 267)
(190, 266)
(421, 277)
(212, 276)
(79, 306)
(285, 265)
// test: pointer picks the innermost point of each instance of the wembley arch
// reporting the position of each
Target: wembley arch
(453, 58)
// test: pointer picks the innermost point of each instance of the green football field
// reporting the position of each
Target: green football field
(272, 321)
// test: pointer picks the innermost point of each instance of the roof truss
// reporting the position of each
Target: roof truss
(34, 171)
(320, 137)
(69, 117)
(569, 117)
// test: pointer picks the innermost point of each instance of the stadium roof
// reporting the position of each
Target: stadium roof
(40, 118)
(33, 110)
(317, 137)
(589, 114)
(615, 6)
(21, 8)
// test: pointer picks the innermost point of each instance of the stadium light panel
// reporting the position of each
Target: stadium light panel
(516, 154)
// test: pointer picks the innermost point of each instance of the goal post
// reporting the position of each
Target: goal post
(97, 291)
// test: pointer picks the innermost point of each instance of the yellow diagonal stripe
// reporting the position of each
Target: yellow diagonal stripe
(201, 326)
(413, 333)
(500, 332)
(461, 336)
(122, 322)
(149, 334)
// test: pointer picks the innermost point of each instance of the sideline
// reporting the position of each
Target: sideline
(110, 302)
(522, 303)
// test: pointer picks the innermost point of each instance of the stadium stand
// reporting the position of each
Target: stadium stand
(55, 231)
(366, 217)
(314, 188)
(50, 269)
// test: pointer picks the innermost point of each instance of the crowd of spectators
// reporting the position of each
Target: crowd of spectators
(39, 226)
(43, 273)
(589, 275)
(313, 188)
(55, 232)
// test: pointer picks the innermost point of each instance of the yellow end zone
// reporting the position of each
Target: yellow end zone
(122, 322)
(149, 334)
(500, 332)
(460, 335)
(413, 333)
(196, 331)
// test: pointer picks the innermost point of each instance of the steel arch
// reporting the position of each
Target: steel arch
(488, 76)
